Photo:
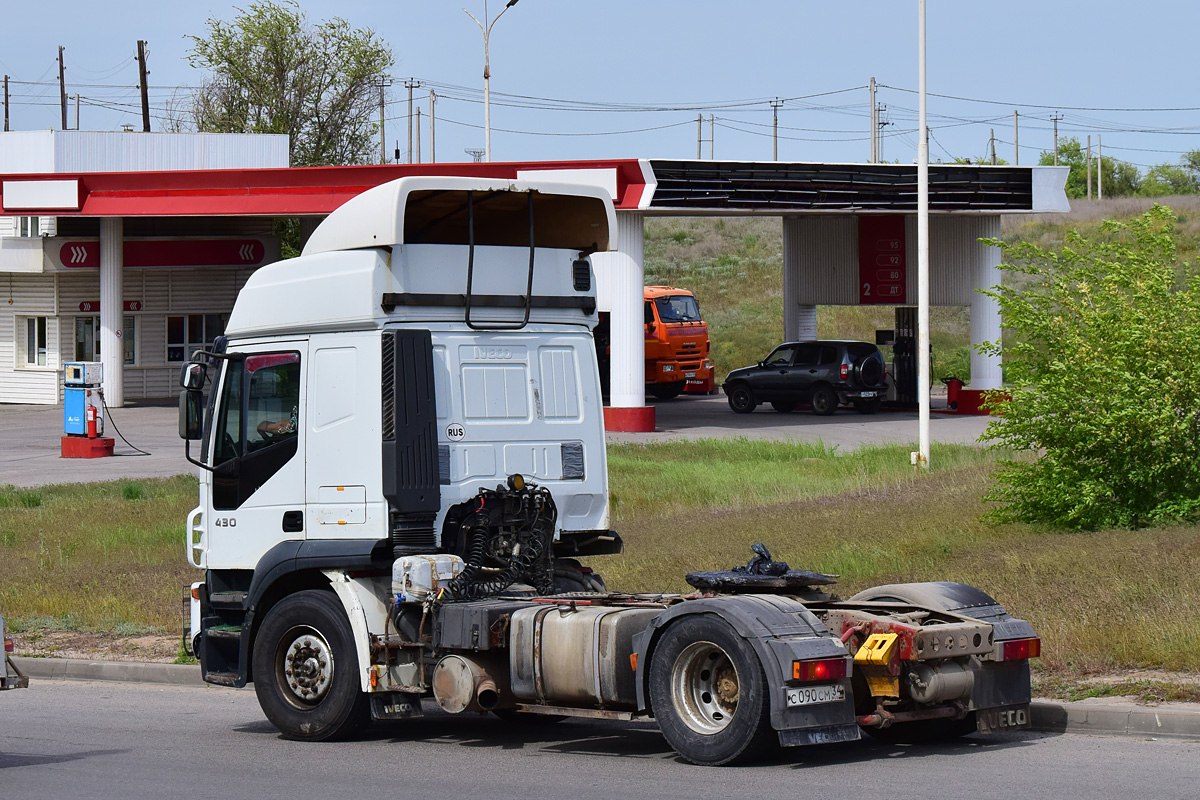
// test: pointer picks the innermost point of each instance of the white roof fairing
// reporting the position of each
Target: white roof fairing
(383, 215)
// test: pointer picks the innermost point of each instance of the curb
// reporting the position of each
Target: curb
(1096, 718)
(78, 669)
(1045, 716)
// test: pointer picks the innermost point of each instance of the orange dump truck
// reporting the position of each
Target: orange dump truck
(676, 344)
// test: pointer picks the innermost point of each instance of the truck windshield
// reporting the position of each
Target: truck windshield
(678, 308)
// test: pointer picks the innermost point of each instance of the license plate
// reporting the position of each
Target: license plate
(867, 394)
(812, 695)
(689, 374)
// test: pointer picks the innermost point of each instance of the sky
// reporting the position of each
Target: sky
(625, 78)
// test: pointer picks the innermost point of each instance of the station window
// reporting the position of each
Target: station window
(187, 333)
(35, 341)
(87, 339)
(28, 226)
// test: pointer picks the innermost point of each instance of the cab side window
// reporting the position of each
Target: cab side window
(780, 356)
(272, 399)
(649, 312)
(227, 433)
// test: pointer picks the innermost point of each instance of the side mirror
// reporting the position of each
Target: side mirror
(191, 414)
(191, 377)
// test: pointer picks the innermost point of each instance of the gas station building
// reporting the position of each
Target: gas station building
(129, 248)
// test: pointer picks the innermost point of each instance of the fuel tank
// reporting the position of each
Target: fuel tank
(575, 655)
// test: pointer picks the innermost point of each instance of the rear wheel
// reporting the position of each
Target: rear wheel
(741, 399)
(667, 391)
(867, 405)
(306, 669)
(824, 401)
(709, 694)
(784, 408)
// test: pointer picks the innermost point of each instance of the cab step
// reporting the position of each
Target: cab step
(222, 678)
(224, 632)
(227, 599)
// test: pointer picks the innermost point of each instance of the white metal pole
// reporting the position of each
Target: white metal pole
(922, 253)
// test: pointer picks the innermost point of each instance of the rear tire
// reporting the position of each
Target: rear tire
(742, 400)
(668, 391)
(784, 408)
(306, 669)
(709, 694)
(824, 401)
(868, 406)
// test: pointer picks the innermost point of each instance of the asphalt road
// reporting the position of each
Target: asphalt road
(30, 436)
(128, 741)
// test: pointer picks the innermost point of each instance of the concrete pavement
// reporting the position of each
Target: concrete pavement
(1107, 716)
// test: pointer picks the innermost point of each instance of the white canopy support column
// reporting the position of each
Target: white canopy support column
(986, 370)
(625, 280)
(799, 320)
(112, 309)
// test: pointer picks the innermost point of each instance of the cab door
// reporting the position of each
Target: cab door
(256, 450)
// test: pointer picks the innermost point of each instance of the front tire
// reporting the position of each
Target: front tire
(668, 391)
(709, 694)
(824, 401)
(742, 400)
(306, 669)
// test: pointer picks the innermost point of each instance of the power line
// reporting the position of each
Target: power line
(1042, 105)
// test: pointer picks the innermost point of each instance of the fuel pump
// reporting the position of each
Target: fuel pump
(83, 411)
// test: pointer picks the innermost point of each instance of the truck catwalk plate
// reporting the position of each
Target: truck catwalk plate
(811, 695)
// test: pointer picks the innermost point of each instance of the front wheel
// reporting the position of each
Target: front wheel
(668, 391)
(306, 669)
(709, 694)
(741, 399)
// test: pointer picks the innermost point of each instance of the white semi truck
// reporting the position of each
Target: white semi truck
(402, 456)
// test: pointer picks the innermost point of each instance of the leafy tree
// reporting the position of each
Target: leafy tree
(1181, 178)
(1105, 358)
(275, 72)
(1121, 178)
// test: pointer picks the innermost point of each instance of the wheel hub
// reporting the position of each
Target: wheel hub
(705, 687)
(307, 664)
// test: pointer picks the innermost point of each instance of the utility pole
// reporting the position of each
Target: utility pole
(880, 124)
(77, 111)
(142, 73)
(699, 134)
(418, 145)
(775, 104)
(432, 119)
(1016, 141)
(6, 103)
(1099, 167)
(712, 137)
(1055, 117)
(874, 126)
(1089, 168)
(383, 83)
(992, 143)
(62, 86)
(410, 84)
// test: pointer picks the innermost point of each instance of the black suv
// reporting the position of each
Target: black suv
(823, 373)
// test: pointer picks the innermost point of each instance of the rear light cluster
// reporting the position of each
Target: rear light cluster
(1020, 649)
(822, 669)
(8, 644)
(845, 371)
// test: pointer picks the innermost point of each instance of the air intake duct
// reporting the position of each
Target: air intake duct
(411, 478)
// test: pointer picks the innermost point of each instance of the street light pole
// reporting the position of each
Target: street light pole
(922, 455)
(487, 74)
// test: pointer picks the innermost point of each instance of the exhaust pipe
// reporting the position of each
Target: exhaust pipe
(462, 684)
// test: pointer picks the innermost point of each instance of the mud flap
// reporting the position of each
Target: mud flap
(395, 705)
(1001, 720)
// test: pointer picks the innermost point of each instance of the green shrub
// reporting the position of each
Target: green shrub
(1105, 355)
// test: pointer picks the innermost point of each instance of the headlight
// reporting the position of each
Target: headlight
(668, 367)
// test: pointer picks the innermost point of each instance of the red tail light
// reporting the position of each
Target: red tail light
(823, 669)
(845, 371)
(8, 644)
(1019, 649)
